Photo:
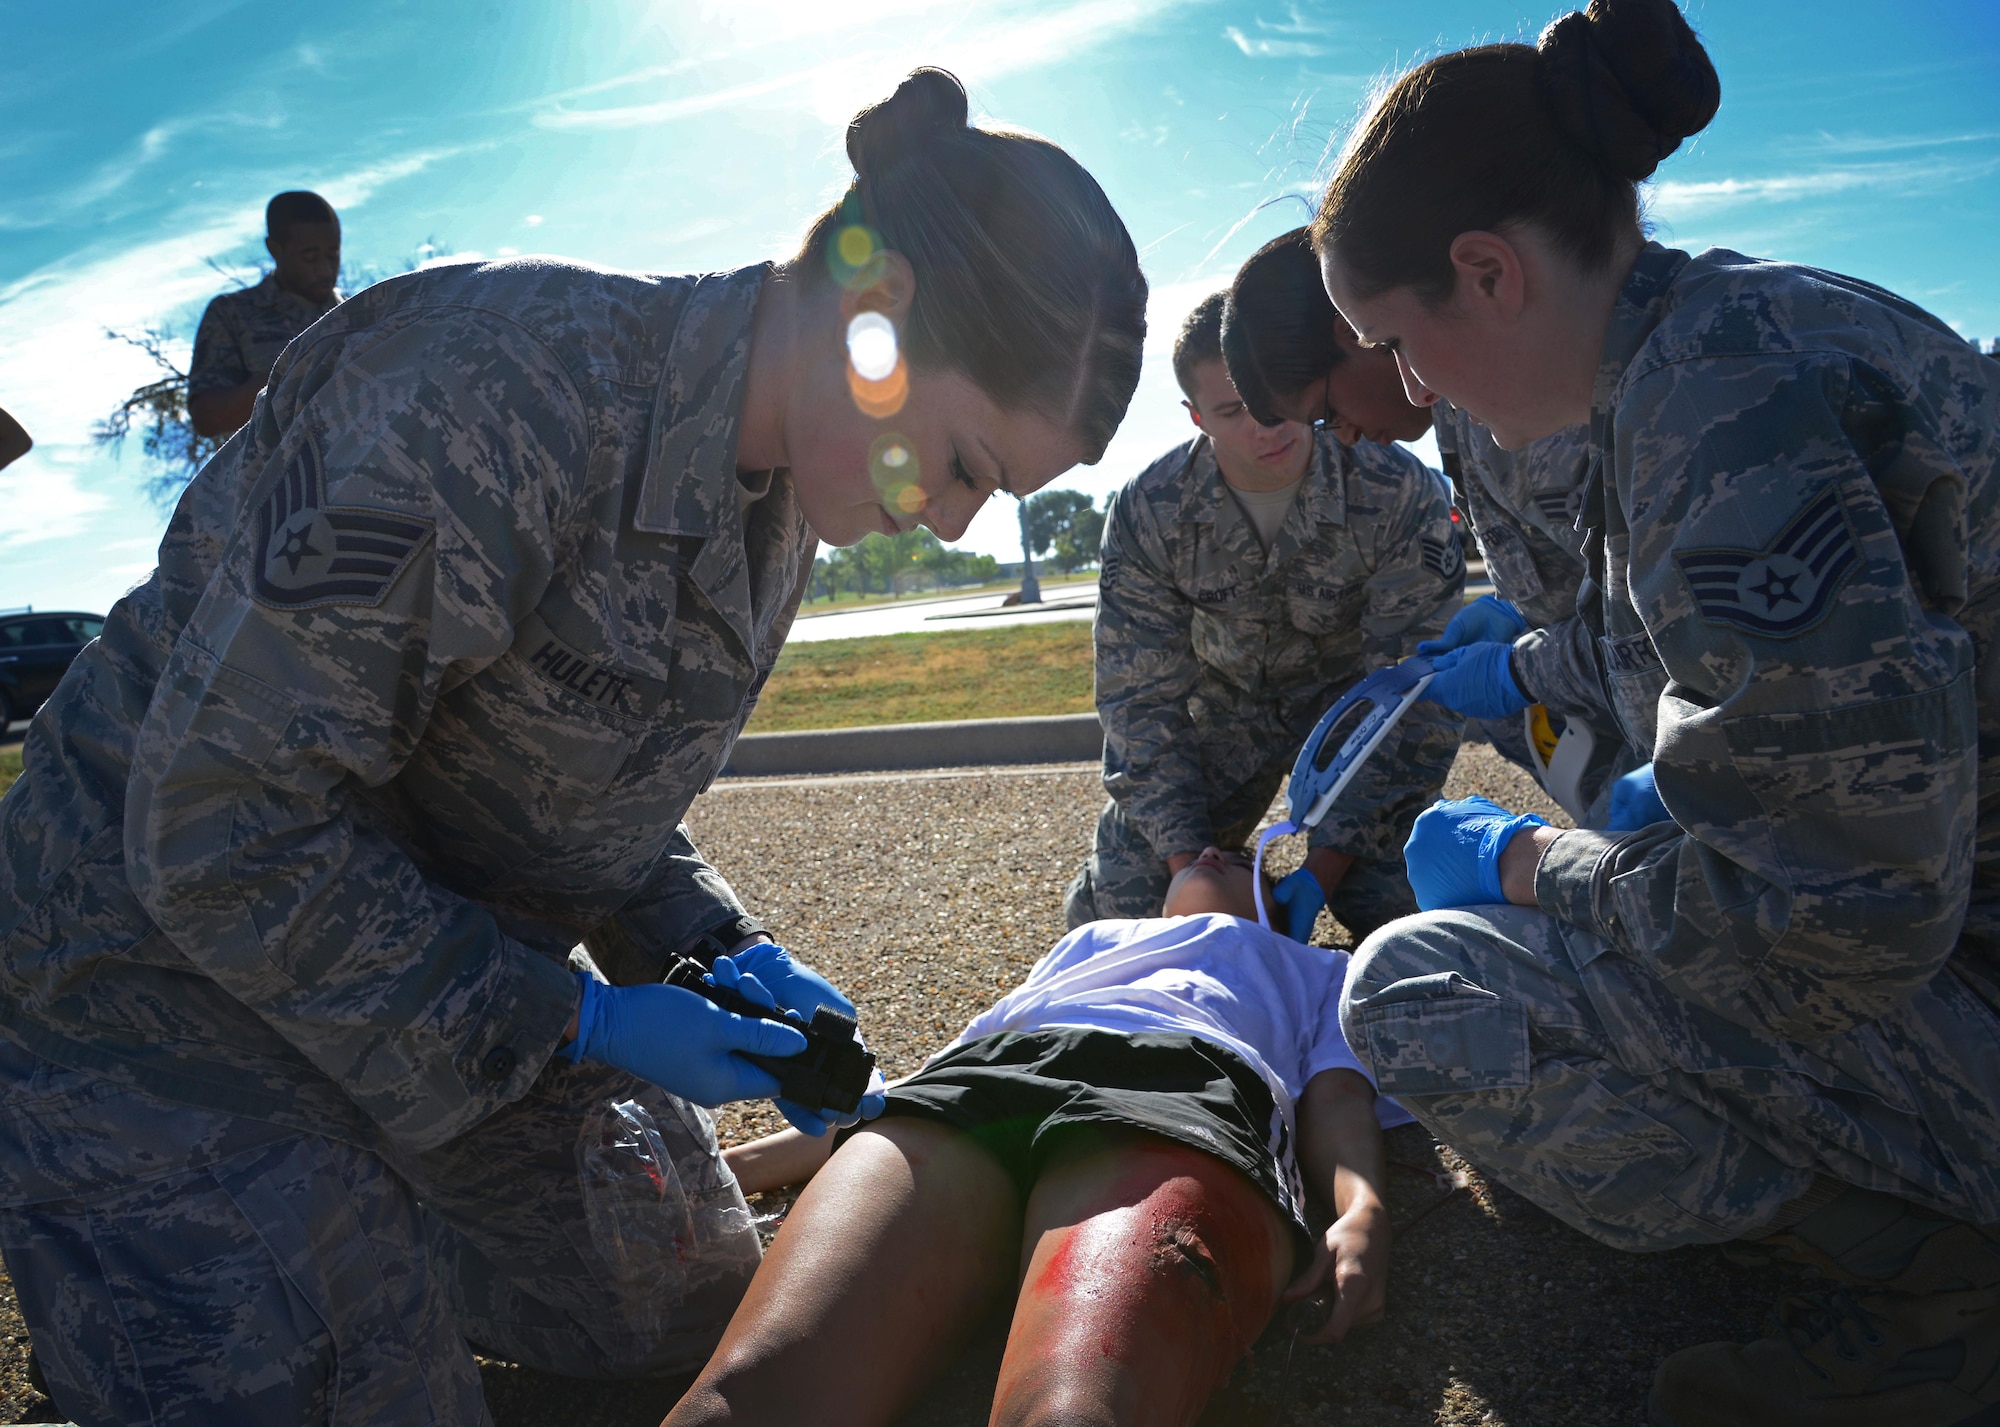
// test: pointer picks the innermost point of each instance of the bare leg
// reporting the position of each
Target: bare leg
(889, 1261)
(1151, 1268)
(788, 1157)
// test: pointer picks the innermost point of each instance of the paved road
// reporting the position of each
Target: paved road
(928, 616)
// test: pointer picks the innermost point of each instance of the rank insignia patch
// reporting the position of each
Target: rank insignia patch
(1782, 590)
(1557, 507)
(309, 553)
(1445, 557)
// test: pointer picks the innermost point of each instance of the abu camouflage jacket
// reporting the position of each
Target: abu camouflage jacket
(1523, 508)
(1215, 656)
(440, 648)
(242, 333)
(1796, 542)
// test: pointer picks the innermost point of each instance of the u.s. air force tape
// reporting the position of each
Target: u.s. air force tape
(558, 663)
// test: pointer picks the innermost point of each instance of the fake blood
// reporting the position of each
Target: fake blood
(1163, 1286)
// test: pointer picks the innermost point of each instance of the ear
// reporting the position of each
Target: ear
(1193, 415)
(1490, 274)
(271, 246)
(888, 286)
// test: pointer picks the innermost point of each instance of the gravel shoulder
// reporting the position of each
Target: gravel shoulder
(926, 897)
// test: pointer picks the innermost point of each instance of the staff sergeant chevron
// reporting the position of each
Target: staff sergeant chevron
(1784, 589)
(309, 553)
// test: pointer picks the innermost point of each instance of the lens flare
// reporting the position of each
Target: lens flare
(892, 465)
(880, 399)
(871, 346)
(855, 245)
(854, 257)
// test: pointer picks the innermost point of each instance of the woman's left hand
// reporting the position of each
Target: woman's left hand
(1352, 1260)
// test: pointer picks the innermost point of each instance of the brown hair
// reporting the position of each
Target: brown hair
(1280, 333)
(1557, 135)
(1200, 340)
(1027, 282)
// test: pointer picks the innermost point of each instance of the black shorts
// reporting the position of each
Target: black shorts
(1018, 1092)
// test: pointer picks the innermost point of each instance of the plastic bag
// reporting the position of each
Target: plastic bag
(662, 1208)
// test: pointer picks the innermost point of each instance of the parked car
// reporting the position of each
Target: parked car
(35, 649)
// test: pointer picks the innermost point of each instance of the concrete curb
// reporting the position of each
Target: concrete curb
(1065, 738)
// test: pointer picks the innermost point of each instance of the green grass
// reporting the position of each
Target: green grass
(913, 678)
(904, 678)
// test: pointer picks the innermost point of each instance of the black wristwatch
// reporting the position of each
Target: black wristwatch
(722, 937)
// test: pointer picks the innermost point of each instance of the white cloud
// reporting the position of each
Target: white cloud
(1892, 143)
(1674, 199)
(1272, 49)
(533, 220)
(111, 176)
(980, 46)
(631, 116)
(43, 497)
(58, 370)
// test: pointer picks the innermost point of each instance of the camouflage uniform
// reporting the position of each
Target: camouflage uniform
(1215, 659)
(242, 333)
(440, 648)
(1522, 505)
(1798, 530)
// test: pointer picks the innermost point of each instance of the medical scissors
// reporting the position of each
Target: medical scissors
(1319, 777)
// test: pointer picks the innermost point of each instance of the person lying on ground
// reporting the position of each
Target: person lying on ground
(1125, 1139)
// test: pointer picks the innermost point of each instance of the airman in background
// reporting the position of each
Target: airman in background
(1250, 576)
(1292, 356)
(242, 332)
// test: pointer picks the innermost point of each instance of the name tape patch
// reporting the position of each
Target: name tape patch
(1785, 588)
(604, 685)
(311, 553)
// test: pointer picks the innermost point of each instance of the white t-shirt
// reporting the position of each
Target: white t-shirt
(1267, 509)
(1272, 1001)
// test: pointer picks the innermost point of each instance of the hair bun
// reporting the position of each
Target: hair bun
(928, 106)
(1628, 81)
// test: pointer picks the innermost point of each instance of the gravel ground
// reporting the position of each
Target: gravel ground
(925, 897)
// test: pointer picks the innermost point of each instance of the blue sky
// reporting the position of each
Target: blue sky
(139, 142)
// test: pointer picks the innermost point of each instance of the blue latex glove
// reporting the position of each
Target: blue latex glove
(729, 972)
(1453, 855)
(1485, 619)
(1635, 802)
(679, 1041)
(796, 986)
(1477, 681)
(1300, 897)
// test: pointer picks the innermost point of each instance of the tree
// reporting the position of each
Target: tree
(1077, 544)
(1067, 523)
(1048, 513)
(891, 562)
(159, 406)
